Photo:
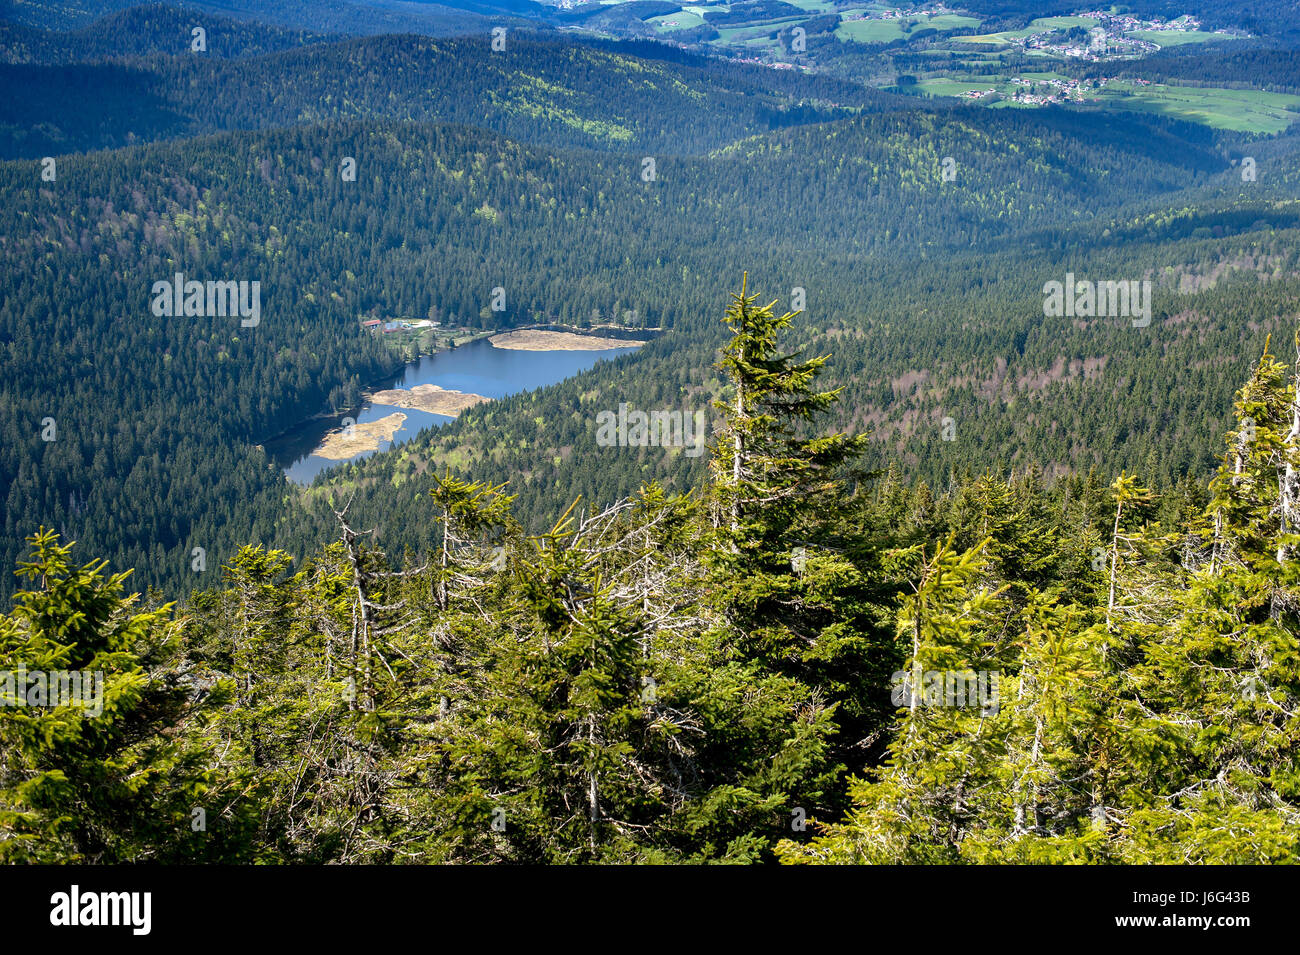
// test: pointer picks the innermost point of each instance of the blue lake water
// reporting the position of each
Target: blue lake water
(477, 368)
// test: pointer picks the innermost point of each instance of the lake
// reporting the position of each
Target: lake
(477, 368)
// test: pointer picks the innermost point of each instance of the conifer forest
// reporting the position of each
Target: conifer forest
(546, 432)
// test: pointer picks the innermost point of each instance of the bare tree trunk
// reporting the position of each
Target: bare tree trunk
(1114, 564)
(1238, 463)
(1288, 480)
(593, 801)
(446, 547)
(1033, 761)
(916, 671)
(361, 614)
(1018, 813)
(738, 451)
(737, 455)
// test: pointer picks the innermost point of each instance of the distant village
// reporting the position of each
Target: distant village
(1110, 38)
(1044, 92)
(898, 13)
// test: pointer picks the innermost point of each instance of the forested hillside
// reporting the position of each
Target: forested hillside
(538, 89)
(775, 665)
(437, 218)
(984, 550)
(343, 16)
(1062, 395)
(146, 31)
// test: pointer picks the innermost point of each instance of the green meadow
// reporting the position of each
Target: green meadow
(676, 21)
(742, 34)
(1248, 111)
(1175, 37)
(1035, 26)
(885, 31)
(870, 31)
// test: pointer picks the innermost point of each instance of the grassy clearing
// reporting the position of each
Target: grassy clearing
(1248, 111)
(998, 39)
(672, 22)
(1165, 38)
(949, 21)
(870, 31)
(743, 34)
(1041, 25)
(886, 31)
(946, 86)
(1060, 23)
(702, 9)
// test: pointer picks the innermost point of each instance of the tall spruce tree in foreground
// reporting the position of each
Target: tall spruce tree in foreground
(768, 474)
(801, 595)
(1217, 693)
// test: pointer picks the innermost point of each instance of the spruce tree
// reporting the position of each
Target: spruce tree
(801, 594)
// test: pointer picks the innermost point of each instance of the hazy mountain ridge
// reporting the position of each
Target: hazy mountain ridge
(542, 90)
(146, 31)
